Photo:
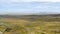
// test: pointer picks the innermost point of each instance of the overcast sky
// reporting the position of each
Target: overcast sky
(29, 6)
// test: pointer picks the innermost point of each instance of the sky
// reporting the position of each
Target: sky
(29, 6)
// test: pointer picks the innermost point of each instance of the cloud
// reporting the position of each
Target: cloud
(41, 7)
(29, 0)
(28, 6)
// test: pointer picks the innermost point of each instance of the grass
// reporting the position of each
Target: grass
(31, 25)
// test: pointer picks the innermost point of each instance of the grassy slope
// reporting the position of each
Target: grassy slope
(31, 25)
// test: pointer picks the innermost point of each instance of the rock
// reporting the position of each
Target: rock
(8, 29)
(0, 32)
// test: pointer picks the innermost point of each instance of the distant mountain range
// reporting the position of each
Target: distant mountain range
(40, 13)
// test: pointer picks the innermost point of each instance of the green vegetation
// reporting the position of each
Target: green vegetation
(30, 24)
